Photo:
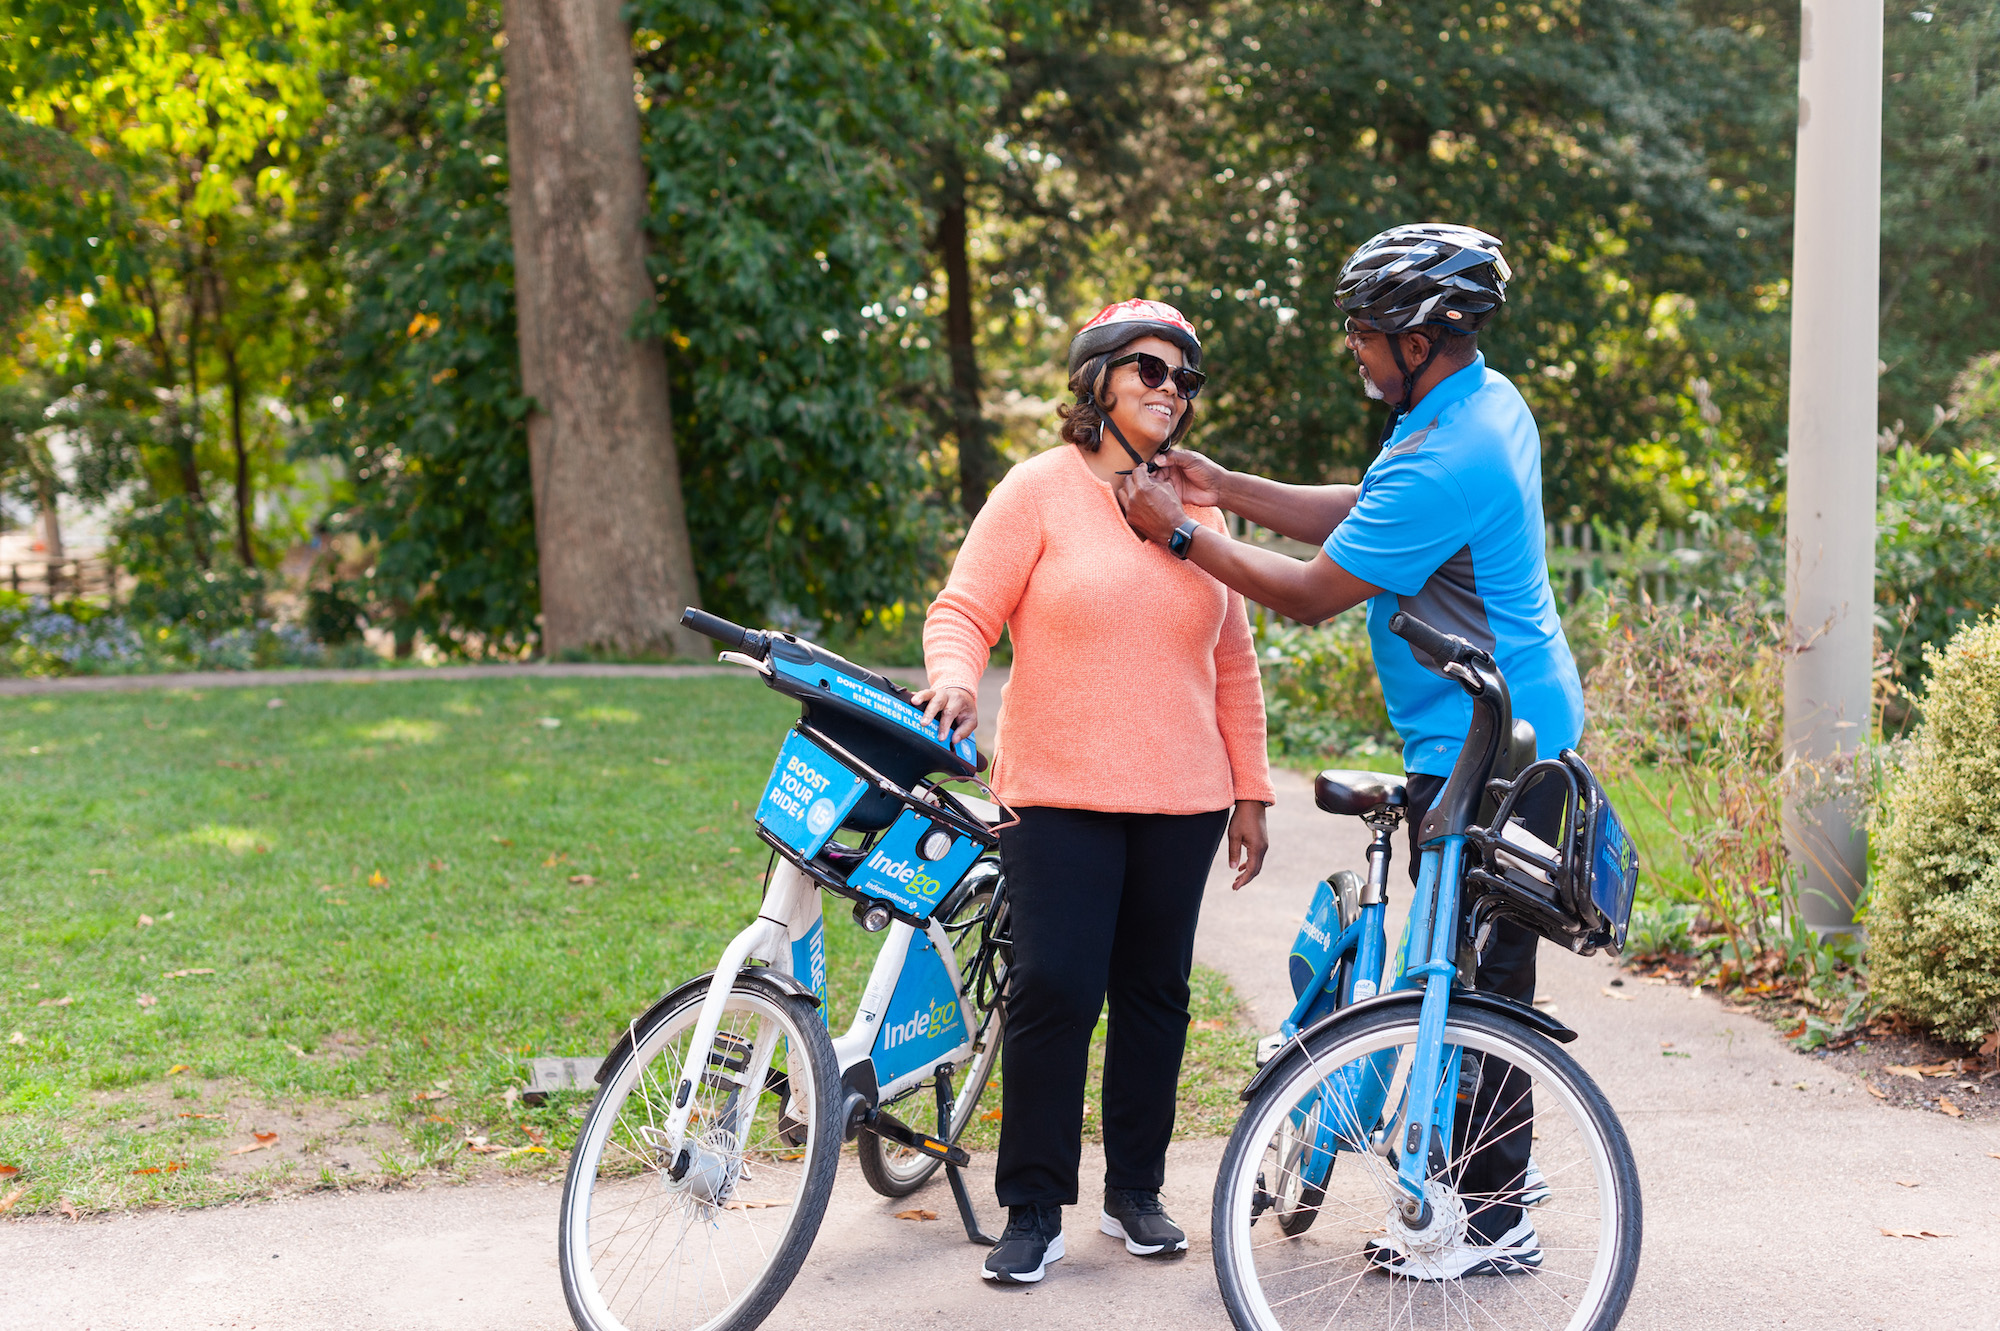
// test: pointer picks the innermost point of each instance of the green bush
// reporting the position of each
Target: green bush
(1322, 698)
(1935, 923)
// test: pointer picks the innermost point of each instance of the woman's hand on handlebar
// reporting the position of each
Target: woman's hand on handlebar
(1248, 841)
(954, 709)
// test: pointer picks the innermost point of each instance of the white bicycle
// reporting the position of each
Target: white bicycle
(705, 1162)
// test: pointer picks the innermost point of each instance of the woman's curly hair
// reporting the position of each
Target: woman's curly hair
(1083, 419)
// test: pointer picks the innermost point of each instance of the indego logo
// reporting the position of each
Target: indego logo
(923, 1026)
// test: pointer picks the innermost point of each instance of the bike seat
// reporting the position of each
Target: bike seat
(1355, 793)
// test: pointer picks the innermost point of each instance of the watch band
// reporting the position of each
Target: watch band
(1183, 537)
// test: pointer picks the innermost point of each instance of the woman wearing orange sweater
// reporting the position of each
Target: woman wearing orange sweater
(1131, 738)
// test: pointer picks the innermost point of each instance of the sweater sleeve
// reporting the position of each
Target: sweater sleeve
(987, 578)
(1239, 706)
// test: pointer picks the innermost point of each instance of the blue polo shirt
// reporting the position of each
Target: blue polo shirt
(1449, 525)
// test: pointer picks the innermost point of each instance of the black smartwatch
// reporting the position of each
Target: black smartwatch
(1182, 538)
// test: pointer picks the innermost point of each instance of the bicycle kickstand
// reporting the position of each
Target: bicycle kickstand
(970, 1218)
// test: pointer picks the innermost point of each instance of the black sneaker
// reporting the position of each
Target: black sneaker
(1138, 1218)
(1033, 1238)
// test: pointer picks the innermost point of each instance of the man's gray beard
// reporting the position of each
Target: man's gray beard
(1372, 389)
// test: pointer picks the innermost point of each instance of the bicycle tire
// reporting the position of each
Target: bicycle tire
(896, 1171)
(626, 1266)
(1276, 1282)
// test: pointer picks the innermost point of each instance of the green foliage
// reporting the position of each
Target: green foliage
(1940, 194)
(787, 249)
(1557, 127)
(1937, 541)
(1686, 710)
(425, 412)
(1935, 923)
(1322, 697)
(156, 546)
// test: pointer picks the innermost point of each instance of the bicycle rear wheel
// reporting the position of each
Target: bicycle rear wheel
(1572, 1265)
(716, 1248)
(977, 932)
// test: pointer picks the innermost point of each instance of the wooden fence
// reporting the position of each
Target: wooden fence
(1579, 561)
(62, 579)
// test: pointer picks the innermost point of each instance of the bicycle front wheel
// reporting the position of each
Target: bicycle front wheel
(652, 1241)
(1552, 1242)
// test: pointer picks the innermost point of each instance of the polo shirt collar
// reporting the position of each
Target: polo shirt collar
(1454, 387)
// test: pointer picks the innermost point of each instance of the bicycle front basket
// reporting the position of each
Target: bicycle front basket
(809, 792)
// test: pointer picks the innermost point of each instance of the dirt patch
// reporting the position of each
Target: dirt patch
(1915, 1070)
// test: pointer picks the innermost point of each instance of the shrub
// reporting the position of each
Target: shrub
(1935, 923)
(1322, 697)
(41, 638)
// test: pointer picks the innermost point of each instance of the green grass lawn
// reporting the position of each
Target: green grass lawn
(348, 919)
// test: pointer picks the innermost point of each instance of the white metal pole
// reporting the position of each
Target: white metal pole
(1830, 486)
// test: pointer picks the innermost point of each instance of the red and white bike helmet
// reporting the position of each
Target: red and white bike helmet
(1129, 320)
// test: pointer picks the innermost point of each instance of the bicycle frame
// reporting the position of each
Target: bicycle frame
(909, 1021)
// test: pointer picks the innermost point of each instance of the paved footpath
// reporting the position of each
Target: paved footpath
(1767, 1178)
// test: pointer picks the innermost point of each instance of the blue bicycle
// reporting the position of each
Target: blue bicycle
(1419, 1151)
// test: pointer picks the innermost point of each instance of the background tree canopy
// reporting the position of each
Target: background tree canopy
(256, 274)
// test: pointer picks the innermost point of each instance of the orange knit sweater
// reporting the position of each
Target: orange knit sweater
(1134, 688)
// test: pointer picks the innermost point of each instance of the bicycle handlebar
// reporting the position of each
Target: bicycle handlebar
(1440, 647)
(732, 636)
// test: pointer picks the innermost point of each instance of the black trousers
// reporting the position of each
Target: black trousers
(1495, 1112)
(1104, 906)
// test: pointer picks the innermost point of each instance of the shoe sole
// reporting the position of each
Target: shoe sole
(1108, 1224)
(1504, 1265)
(1054, 1254)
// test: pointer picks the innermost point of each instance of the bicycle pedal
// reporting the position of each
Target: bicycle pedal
(726, 1062)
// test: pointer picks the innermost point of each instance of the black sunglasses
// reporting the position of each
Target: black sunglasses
(1153, 372)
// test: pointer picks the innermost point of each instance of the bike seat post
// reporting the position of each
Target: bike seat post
(1382, 823)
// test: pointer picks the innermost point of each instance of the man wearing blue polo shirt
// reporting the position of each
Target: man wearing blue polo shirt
(1446, 524)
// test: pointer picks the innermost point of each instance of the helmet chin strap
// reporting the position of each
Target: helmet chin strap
(1401, 406)
(1104, 418)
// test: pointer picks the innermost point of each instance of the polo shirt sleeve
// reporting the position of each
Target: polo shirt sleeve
(1410, 519)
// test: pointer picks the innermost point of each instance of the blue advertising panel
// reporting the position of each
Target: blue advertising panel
(923, 1022)
(808, 794)
(809, 963)
(851, 690)
(1316, 937)
(897, 872)
(1615, 876)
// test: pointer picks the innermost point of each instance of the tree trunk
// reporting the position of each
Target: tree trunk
(610, 530)
(978, 464)
(243, 495)
(187, 432)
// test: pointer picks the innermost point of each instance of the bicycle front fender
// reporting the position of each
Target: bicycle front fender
(1294, 1049)
(680, 993)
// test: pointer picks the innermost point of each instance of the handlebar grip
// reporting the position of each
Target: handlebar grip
(732, 636)
(1440, 647)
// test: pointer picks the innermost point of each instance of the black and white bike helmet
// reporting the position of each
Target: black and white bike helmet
(1426, 273)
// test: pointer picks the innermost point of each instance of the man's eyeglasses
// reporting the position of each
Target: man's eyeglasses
(1356, 332)
(1154, 372)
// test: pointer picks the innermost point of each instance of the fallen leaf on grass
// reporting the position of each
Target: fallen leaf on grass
(171, 1167)
(187, 1115)
(430, 1095)
(660, 762)
(100, 873)
(264, 1139)
(1874, 1090)
(18, 1037)
(438, 866)
(376, 879)
(1211, 1026)
(549, 722)
(147, 1000)
(1609, 992)
(192, 970)
(1909, 1183)
(990, 1116)
(1914, 1234)
(583, 880)
(64, 1001)
(553, 860)
(1950, 1108)
(535, 1134)
(924, 1215)
(7, 1202)
(145, 921)
(501, 840)
(8, 1171)
(67, 1207)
